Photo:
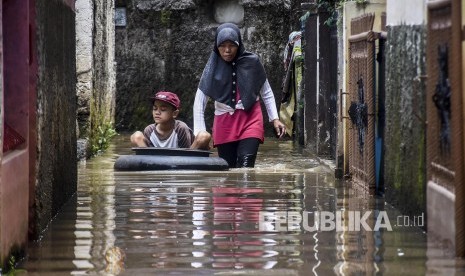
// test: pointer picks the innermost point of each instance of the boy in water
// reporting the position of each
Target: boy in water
(167, 132)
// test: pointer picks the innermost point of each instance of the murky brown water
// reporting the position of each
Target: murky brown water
(208, 223)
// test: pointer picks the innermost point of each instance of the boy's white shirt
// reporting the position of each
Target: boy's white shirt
(170, 142)
(201, 100)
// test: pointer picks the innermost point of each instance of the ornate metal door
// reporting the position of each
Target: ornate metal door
(444, 108)
(361, 102)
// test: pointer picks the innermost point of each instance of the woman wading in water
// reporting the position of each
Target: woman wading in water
(235, 79)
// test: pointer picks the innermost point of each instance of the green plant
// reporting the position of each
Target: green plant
(101, 128)
(100, 137)
(12, 271)
(165, 17)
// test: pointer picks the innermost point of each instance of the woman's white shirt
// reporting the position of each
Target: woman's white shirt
(200, 102)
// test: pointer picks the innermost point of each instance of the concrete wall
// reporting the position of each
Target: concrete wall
(96, 70)
(165, 45)
(104, 79)
(56, 164)
(84, 63)
(405, 153)
(405, 131)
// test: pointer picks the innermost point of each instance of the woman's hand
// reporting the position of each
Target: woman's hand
(279, 128)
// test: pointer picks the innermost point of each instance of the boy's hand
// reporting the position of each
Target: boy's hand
(138, 139)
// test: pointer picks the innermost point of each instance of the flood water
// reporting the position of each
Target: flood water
(226, 223)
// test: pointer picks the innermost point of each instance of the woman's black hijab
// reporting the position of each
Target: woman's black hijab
(220, 78)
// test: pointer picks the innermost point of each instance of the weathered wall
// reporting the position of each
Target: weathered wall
(405, 131)
(84, 63)
(103, 94)
(166, 45)
(56, 109)
(96, 71)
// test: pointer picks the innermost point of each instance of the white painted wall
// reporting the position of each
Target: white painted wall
(405, 12)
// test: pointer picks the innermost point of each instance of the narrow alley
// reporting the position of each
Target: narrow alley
(335, 129)
(207, 223)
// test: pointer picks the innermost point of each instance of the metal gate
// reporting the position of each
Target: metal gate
(361, 102)
(444, 108)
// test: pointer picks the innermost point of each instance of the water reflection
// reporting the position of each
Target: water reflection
(205, 223)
